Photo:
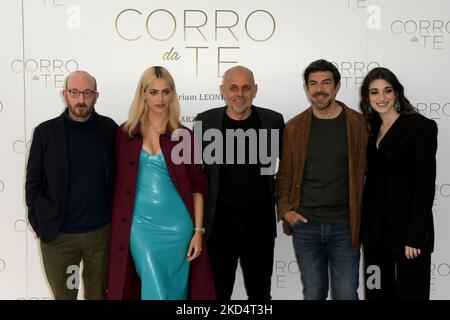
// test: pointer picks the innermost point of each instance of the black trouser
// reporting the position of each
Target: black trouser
(400, 278)
(253, 243)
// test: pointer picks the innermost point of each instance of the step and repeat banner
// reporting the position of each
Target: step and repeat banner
(42, 41)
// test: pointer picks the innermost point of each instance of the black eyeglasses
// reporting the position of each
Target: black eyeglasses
(74, 93)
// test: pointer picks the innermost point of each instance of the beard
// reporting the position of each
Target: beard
(240, 108)
(80, 110)
(323, 103)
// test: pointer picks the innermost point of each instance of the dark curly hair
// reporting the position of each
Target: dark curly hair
(387, 75)
(322, 65)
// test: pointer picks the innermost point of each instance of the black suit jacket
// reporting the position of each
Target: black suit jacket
(400, 186)
(46, 186)
(213, 119)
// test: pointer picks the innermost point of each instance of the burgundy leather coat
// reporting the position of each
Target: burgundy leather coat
(123, 282)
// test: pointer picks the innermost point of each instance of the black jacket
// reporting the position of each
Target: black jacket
(400, 186)
(46, 185)
(213, 119)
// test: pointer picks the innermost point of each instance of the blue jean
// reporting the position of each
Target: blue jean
(318, 246)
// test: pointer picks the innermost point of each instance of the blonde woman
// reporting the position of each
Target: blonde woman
(157, 225)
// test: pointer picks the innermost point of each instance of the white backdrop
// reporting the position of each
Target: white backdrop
(197, 40)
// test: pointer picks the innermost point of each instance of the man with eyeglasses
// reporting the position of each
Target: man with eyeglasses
(69, 190)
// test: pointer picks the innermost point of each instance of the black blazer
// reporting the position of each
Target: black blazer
(213, 119)
(400, 186)
(46, 184)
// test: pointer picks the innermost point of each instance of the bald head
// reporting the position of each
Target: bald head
(238, 69)
(238, 89)
(80, 74)
(80, 94)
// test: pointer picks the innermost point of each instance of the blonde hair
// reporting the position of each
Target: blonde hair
(139, 113)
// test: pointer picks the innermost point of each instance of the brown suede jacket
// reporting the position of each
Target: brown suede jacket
(292, 165)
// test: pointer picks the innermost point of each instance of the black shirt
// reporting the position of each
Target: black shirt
(243, 191)
(87, 196)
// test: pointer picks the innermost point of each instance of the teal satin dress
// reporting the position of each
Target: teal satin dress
(160, 232)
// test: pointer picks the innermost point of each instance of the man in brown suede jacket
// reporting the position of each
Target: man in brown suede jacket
(319, 186)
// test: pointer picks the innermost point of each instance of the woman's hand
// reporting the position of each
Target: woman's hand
(411, 252)
(195, 247)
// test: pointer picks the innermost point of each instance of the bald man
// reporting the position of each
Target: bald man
(69, 190)
(240, 221)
